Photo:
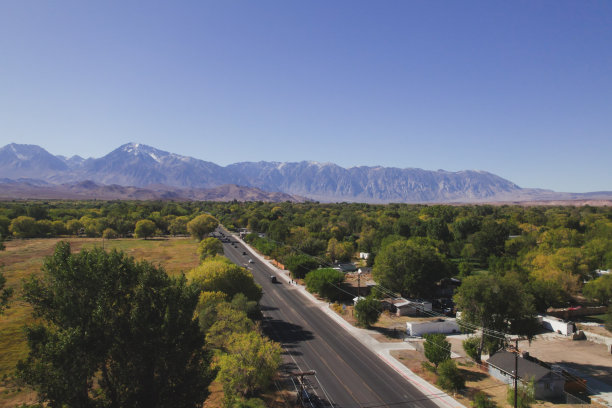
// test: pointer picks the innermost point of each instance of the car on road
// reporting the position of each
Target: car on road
(273, 279)
(243, 252)
(251, 261)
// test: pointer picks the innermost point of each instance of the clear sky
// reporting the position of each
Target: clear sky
(522, 89)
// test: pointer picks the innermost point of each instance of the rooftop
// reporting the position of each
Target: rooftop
(504, 360)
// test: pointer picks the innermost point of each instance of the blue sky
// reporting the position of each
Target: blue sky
(522, 89)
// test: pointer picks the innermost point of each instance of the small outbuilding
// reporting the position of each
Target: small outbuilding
(557, 325)
(444, 326)
(406, 307)
(548, 384)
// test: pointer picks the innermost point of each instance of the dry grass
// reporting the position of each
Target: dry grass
(24, 258)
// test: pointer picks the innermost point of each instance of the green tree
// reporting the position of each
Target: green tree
(339, 251)
(206, 309)
(450, 377)
(491, 239)
(495, 303)
(299, 265)
(145, 229)
(437, 348)
(178, 226)
(410, 268)
(228, 321)
(201, 226)
(219, 274)
(209, 247)
(325, 282)
(126, 326)
(74, 227)
(109, 233)
(470, 346)
(367, 311)
(23, 227)
(5, 222)
(249, 365)
(599, 289)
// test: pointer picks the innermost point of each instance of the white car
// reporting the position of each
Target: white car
(251, 261)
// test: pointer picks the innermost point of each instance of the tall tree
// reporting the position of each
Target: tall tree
(437, 348)
(201, 226)
(124, 325)
(145, 229)
(208, 247)
(249, 365)
(495, 303)
(325, 282)
(409, 267)
(219, 274)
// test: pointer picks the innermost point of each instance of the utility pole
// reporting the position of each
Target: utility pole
(358, 284)
(516, 351)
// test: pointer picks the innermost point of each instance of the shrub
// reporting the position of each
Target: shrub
(450, 377)
(482, 400)
(367, 311)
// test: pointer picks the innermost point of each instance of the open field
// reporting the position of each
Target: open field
(24, 258)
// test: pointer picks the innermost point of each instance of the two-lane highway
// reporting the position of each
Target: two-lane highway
(347, 373)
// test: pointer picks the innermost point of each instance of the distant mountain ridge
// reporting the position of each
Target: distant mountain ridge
(143, 166)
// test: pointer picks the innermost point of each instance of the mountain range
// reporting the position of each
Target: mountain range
(151, 173)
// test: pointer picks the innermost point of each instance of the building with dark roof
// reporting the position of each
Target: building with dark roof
(548, 383)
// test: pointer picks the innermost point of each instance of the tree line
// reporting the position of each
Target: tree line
(554, 250)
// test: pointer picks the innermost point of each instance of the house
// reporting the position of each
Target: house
(364, 269)
(406, 307)
(548, 383)
(364, 255)
(345, 267)
(434, 325)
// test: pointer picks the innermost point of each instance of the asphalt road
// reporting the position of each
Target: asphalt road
(347, 373)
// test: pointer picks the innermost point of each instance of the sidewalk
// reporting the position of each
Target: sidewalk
(365, 337)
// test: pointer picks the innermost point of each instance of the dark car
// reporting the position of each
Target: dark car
(273, 279)
(243, 253)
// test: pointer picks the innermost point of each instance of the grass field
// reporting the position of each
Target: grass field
(24, 258)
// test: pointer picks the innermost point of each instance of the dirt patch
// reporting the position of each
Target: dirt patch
(477, 378)
(586, 357)
(599, 329)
